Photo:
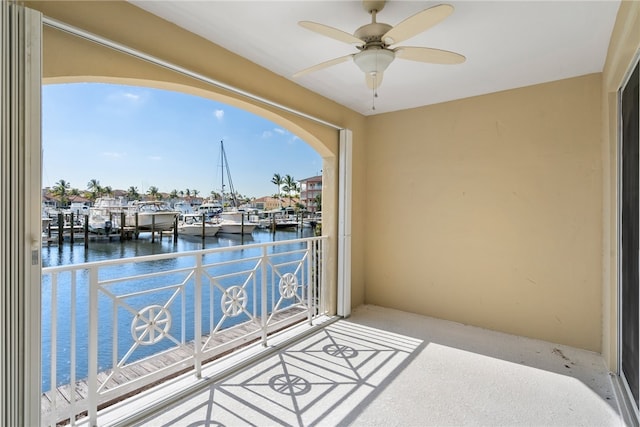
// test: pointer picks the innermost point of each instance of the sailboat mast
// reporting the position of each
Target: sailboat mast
(222, 156)
(232, 191)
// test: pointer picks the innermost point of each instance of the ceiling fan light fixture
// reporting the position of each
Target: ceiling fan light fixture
(373, 61)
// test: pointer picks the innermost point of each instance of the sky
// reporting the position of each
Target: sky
(127, 136)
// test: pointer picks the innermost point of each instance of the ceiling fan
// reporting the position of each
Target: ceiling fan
(374, 42)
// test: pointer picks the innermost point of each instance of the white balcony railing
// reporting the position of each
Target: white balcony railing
(114, 327)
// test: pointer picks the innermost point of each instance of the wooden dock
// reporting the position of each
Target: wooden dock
(174, 362)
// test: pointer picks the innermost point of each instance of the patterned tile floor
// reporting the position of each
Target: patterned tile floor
(389, 368)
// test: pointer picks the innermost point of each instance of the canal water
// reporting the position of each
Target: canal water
(54, 255)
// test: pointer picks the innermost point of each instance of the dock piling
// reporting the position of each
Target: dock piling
(60, 228)
(86, 231)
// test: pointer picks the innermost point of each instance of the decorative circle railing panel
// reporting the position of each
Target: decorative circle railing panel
(151, 325)
(288, 285)
(234, 301)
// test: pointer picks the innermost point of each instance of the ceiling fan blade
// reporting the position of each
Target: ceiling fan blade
(374, 81)
(322, 65)
(334, 33)
(417, 23)
(430, 55)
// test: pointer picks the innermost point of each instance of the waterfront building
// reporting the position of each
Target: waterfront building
(266, 203)
(310, 189)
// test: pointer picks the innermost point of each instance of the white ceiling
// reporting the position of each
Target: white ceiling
(507, 44)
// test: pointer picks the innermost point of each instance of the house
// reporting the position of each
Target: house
(266, 203)
(310, 189)
(525, 216)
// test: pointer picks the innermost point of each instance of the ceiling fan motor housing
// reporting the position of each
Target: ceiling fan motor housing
(372, 33)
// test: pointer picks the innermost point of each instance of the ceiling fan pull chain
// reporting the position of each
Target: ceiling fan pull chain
(374, 92)
(373, 99)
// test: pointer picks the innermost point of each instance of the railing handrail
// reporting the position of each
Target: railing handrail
(169, 255)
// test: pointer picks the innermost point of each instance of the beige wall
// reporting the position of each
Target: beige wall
(623, 48)
(487, 211)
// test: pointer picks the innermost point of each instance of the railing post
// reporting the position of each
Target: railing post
(53, 380)
(93, 347)
(263, 295)
(197, 317)
(310, 276)
(323, 281)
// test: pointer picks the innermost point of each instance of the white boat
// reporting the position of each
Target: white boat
(313, 220)
(151, 215)
(191, 225)
(78, 209)
(280, 219)
(105, 215)
(183, 208)
(232, 222)
(210, 208)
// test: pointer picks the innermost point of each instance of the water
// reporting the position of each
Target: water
(98, 251)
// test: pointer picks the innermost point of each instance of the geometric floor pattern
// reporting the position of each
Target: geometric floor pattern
(383, 367)
(323, 377)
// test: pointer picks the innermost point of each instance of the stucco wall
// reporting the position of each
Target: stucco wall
(487, 211)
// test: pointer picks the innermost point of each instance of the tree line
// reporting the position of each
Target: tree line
(286, 185)
(63, 191)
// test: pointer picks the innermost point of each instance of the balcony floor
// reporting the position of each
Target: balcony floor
(383, 367)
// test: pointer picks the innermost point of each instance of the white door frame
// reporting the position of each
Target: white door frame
(344, 223)
(20, 213)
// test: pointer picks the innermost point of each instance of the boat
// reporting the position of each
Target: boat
(234, 222)
(280, 219)
(183, 207)
(210, 208)
(153, 215)
(191, 224)
(105, 215)
(313, 220)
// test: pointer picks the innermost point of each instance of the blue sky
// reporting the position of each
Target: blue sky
(127, 136)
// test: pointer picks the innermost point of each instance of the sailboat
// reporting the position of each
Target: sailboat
(232, 221)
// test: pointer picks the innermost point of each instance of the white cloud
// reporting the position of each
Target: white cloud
(267, 134)
(219, 114)
(127, 97)
(294, 139)
(280, 131)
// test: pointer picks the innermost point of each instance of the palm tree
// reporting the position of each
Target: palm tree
(94, 187)
(290, 186)
(195, 193)
(132, 193)
(173, 194)
(60, 190)
(277, 180)
(318, 202)
(153, 192)
(108, 190)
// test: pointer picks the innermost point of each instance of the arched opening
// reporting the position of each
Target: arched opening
(81, 66)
